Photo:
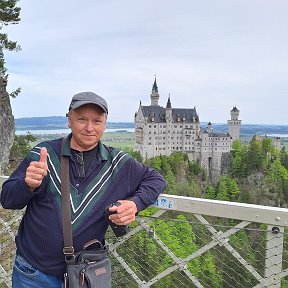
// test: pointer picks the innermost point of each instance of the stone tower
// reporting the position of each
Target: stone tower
(234, 124)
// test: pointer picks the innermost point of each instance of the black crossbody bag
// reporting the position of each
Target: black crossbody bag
(90, 267)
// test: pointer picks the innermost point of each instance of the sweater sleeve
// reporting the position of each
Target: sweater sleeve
(148, 184)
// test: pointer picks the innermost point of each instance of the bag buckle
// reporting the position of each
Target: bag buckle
(68, 250)
(69, 254)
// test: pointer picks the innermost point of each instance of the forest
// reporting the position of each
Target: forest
(258, 174)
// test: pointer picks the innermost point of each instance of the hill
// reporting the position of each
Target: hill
(57, 122)
(60, 122)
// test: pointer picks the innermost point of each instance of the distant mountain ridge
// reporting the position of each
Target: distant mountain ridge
(60, 122)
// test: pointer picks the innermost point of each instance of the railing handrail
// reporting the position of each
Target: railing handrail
(225, 209)
(233, 210)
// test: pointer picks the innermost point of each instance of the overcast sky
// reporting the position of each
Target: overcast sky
(205, 53)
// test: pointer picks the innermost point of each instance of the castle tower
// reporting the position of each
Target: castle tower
(277, 143)
(169, 110)
(209, 127)
(154, 94)
(234, 124)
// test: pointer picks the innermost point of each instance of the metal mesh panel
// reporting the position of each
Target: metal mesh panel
(175, 249)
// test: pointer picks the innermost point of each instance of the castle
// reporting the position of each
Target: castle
(161, 131)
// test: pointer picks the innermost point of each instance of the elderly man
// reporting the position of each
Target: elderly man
(99, 176)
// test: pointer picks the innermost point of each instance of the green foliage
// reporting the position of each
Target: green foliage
(223, 189)
(210, 273)
(277, 181)
(284, 157)
(136, 155)
(21, 146)
(239, 160)
(184, 177)
(9, 14)
(210, 192)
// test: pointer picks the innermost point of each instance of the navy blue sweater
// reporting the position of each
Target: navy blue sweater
(112, 176)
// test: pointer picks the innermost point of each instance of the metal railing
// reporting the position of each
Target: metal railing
(188, 242)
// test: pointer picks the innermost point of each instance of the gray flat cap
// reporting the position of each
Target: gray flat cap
(84, 98)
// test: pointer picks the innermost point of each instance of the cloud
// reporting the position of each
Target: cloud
(208, 54)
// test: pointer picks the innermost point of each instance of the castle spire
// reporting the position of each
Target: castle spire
(154, 94)
(169, 103)
(155, 87)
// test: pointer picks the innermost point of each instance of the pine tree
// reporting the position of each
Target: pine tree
(9, 14)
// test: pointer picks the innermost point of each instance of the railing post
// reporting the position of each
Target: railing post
(274, 254)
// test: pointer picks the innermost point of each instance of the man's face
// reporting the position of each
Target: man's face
(87, 124)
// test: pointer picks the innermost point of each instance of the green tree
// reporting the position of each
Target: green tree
(223, 190)
(210, 192)
(239, 160)
(21, 146)
(284, 157)
(9, 14)
(210, 273)
(278, 182)
(171, 183)
(234, 190)
(255, 156)
(135, 154)
(155, 163)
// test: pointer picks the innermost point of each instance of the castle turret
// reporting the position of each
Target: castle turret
(209, 127)
(154, 94)
(169, 110)
(234, 124)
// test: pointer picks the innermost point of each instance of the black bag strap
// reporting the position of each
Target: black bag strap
(68, 249)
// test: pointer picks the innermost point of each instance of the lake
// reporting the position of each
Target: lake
(64, 131)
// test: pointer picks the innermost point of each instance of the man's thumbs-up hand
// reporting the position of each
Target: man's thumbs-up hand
(43, 155)
(36, 171)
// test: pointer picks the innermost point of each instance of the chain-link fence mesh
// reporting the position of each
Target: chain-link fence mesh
(173, 249)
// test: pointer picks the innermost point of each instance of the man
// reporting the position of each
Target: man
(99, 176)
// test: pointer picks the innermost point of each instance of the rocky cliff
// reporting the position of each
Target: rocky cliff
(7, 127)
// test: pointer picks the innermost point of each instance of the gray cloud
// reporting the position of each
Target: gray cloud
(209, 54)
